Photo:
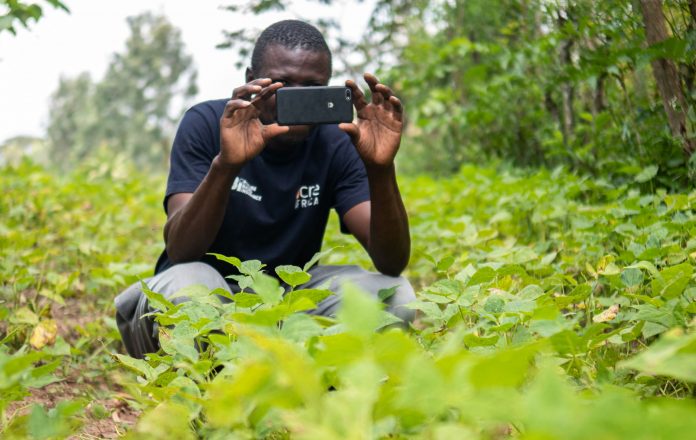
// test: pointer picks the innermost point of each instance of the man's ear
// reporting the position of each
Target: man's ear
(249, 75)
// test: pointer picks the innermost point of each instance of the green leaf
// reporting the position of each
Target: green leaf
(494, 304)
(234, 261)
(385, 294)
(359, 311)
(300, 327)
(24, 315)
(505, 368)
(41, 376)
(429, 309)
(530, 292)
(632, 277)
(194, 291)
(251, 267)
(292, 275)
(472, 340)
(483, 275)
(54, 423)
(672, 281)
(243, 281)
(315, 296)
(268, 288)
(647, 174)
(647, 266)
(246, 300)
(166, 420)
(138, 365)
(156, 300)
(650, 313)
(674, 355)
(567, 342)
(445, 263)
(316, 257)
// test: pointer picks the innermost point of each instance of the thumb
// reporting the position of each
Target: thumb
(352, 130)
(273, 130)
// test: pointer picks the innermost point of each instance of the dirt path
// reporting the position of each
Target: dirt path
(107, 412)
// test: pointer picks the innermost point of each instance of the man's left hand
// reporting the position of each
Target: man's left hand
(377, 132)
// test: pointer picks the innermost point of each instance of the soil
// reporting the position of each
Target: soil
(117, 418)
(108, 413)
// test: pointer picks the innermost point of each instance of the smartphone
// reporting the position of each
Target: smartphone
(314, 105)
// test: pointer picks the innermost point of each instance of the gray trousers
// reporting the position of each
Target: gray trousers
(139, 333)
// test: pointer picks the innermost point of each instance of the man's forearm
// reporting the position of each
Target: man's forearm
(190, 230)
(390, 241)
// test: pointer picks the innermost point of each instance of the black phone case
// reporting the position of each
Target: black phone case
(313, 105)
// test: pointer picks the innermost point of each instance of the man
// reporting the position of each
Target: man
(241, 185)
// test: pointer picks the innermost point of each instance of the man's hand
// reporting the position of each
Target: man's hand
(381, 224)
(242, 135)
(377, 134)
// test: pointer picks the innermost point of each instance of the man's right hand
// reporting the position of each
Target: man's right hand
(242, 135)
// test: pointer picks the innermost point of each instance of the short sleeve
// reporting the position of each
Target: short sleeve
(351, 185)
(195, 145)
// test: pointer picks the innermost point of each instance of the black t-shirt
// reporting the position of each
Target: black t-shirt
(279, 204)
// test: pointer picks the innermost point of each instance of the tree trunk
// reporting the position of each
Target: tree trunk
(666, 74)
(690, 67)
(599, 105)
(567, 88)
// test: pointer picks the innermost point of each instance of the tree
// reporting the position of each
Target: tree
(137, 99)
(24, 13)
(137, 104)
(74, 119)
(535, 82)
(667, 76)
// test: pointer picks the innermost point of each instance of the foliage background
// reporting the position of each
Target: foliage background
(529, 82)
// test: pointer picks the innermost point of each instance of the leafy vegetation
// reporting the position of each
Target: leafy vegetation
(67, 245)
(13, 12)
(602, 87)
(550, 306)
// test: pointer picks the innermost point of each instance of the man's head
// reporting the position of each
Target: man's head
(294, 53)
(291, 35)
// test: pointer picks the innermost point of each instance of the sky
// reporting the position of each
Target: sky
(32, 62)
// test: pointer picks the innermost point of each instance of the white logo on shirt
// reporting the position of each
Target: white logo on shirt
(306, 196)
(243, 186)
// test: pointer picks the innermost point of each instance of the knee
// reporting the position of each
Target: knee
(184, 275)
(197, 272)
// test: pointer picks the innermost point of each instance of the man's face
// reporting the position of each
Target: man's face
(293, 67)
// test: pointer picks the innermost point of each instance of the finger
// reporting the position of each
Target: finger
(398, 108)
(370, 79)
(272, 130)
(358, 96)
(246, 91)
(252, 87)
(386, 94)
(352, 130)
(372, 82)
(233, 105)
(266, 93)
(384, 90)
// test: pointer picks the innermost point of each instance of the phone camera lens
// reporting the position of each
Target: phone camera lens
(348, 95)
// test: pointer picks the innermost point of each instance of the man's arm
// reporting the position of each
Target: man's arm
(194, 219)
(381, 225)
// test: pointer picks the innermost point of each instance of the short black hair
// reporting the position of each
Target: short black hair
(290, 34)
